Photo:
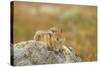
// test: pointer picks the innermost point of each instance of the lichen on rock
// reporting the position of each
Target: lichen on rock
(34, 52)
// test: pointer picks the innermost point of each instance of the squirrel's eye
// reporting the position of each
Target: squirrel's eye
(57, 38)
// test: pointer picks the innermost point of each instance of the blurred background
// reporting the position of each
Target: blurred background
(77, 22)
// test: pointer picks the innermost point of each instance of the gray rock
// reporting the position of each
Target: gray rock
(36, 52)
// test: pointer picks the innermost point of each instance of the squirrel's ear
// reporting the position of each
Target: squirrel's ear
(53, 29)
(61, 30)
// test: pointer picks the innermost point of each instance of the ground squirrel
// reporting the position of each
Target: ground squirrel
(53, 37)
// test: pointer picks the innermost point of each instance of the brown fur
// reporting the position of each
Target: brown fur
(53, 37)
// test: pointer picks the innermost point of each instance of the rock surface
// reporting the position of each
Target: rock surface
(36, 52)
